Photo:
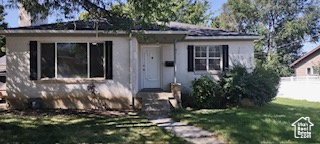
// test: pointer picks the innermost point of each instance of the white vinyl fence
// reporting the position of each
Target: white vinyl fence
(300, 88)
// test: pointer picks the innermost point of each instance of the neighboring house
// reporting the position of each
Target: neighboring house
(304, 66)
(56, 62)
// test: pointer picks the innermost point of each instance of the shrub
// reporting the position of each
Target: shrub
(259, 86)
(234, 84)
(204, 92)
(265, 86)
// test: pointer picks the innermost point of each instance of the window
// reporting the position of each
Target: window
(72, 60)
(309, 71)
(96, 60)
(208, 58)
(47, 60)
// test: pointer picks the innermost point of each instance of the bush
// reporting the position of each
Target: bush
(265, 86)
(259, 86)
(204, 92)
(234, 84)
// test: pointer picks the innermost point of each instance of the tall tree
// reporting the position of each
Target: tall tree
(285, 24)
(142, 11)
(186, 11)
(2, 26)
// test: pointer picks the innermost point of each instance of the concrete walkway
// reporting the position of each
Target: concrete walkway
(190, 133)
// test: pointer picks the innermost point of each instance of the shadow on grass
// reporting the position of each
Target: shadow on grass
(270, 123)
(80, 129)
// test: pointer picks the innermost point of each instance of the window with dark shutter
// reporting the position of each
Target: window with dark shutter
(47, 60)
(96, 60)
(207, 58)
(72, 60)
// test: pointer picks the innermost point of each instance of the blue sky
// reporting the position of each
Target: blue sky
(12, 19)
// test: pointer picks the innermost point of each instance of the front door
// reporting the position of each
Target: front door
(150, 67)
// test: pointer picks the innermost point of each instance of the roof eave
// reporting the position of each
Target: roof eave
(304, 56)
(4, 32)
(223, 37)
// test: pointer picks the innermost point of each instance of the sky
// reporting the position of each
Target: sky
(12, 19)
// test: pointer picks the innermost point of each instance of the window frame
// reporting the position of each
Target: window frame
(311, 71)
(56, 58)
(207, 58)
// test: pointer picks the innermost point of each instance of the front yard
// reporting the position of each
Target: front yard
(79, 127)
(270, 123)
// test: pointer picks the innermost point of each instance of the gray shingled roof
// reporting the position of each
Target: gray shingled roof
(123, 24)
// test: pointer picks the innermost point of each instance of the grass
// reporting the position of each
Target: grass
(61, 128)
(270, 123)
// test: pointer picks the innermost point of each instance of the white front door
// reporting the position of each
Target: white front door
(150, 67)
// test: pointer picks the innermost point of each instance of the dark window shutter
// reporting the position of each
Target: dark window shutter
(33, 60)
(225, 57)
(108, 60)
(190, 58)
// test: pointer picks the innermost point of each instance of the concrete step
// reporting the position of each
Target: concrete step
(150, 108)
(155, 95)
(155, 101)
(162, 105)
(150, 113)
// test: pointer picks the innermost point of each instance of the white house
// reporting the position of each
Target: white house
(55, 62)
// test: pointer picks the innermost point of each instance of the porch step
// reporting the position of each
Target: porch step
(155, 95)
(163, 105)
(155, 103)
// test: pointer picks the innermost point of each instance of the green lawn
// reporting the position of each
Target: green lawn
(64, 128)
(270, 123)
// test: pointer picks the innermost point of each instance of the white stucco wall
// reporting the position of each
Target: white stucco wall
(239, 51)
(71, 94)
(114, 93)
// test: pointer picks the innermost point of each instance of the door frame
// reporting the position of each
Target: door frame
(141, 63)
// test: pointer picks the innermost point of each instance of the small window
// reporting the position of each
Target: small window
(208, 58)
(309, 71)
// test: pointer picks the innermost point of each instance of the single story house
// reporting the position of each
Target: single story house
(304, 66)
(56, 62)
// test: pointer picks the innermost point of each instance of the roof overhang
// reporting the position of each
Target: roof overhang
(223, 37)
(5, 32)
(305, 56)
(151, 36)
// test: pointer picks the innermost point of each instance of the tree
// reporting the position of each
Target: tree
(285, 24)
(142, 11)
(2, 26)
